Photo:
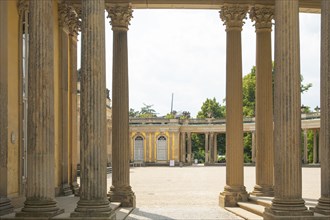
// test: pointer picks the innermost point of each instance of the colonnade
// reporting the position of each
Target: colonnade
(284, 172)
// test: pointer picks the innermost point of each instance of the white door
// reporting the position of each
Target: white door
(138, 149)
(161, 148)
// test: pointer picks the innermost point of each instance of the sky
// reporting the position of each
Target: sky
(184, 52)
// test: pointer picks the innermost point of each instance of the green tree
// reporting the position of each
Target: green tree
(133, 114)
(147, 112)
(211, 109)
(249, 87)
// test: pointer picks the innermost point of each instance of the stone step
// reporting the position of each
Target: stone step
(264, 201)
(122, 213)
(243, 213)
(251, 207)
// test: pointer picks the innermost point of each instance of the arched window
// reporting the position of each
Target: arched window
(138, 149)
(162, 148)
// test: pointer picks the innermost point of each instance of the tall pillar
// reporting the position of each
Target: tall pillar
(183, 147)
(93, 200)
(189, 156)
(264, 151)
(73, 28)
(120, 191)
(206, 147)
(305, 158)
(323, 205)
(40, 191)
(211, 147)
(234, 191)
(315, 146)
(253, 153)
(215, 148)
(288, 202)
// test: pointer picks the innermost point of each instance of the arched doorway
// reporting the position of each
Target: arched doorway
(162, 148)
(138, 149)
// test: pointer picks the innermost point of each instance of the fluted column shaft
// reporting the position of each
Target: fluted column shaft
(211, 147)
(305, 158)
(93, 157)
(215, 149)
(287, 118)
(234, 191)
(189, 147)
(323, 205)
(206, 147)
(40, 122)
(315, 146)
(253, 147)
(264, 152)
(183, 147)
(120, 190)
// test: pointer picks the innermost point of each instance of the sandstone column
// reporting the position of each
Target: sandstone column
(211, 147)
(264, 151)
(183, 147)
(323, 205)
(93, 150)
(120, 190)
(315, 146)
(40, 191)
(215, 149)
(189, 147)
(253, 153)
(305, 158)
(232, 16)
(206, 148)
(287, 118)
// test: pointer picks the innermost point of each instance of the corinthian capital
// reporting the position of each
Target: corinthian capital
(68, 18)
(22, 7)
(263, 16)
(232, 15)
(120, 15)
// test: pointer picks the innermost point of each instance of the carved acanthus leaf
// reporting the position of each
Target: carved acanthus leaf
(22, 7)
(120, 15)
(263, 16)
(68, 17)
(233, 14)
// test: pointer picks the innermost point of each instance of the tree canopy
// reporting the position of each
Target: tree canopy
(212, 109)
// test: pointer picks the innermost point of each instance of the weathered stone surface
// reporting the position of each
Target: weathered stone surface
(232, 16)
(264, 151)
(93, 160)
(120, 190)
(40, 154)
(288, 200)
(323, 205)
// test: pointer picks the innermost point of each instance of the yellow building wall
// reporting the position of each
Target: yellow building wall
(13, 100)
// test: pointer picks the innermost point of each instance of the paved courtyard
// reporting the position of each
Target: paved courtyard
(192, 192)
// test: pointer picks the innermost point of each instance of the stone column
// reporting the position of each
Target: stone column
(323, 205)
(40, 191)
(315, 160)
(215, 149)
(211, 147)
(305, 158)
(206, 148)
(232, 16)
(73, 28)
(253, 153)
(93, 200)
(189, 147)
(183, 147)
(288, 200)
(120, 190)
(263, 146)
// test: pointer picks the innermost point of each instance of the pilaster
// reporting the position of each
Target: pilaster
(40, 193)
(93, 200)
(323, 205)
(232, 15)
(288, 202)
(120, 191)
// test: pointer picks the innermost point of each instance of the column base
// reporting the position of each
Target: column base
(66, 189)
(93, 208)
(5, 206)
(124, 195)
(323, 206)
(266, 191)
(75, 188)
(231, 195)
(284, 209)
(39, 208)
